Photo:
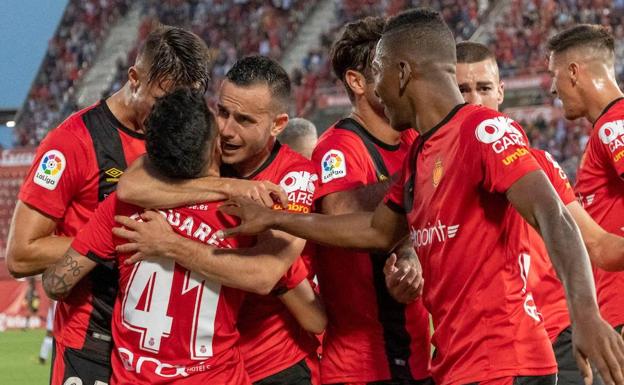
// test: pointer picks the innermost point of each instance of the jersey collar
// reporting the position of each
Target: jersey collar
(228, 171)
(115, 122)
(608, 107)
(446, 119)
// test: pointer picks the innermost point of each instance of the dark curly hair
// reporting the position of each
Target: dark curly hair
(355, 48)
(179, 135)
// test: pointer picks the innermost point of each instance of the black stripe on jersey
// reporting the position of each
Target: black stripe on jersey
(107, 146)
(391, 315)
(103, 128)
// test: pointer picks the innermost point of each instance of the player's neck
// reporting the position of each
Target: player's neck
(376, 125)
(121, 110)
(433, 105)
(598, 100)
(248, 167)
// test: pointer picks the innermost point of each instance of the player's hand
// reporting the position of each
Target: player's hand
(254, 218)
(404, 278)
(263, 192)
(147, 239)
(597, 343)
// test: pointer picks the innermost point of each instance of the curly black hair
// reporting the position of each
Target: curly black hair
(180, 132)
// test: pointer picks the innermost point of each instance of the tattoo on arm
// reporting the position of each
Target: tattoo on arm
(59, 279)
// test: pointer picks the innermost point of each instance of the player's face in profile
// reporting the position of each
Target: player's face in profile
(563, 88)
(387, 88)
(144, 93)
(479, 83)
(245, 118)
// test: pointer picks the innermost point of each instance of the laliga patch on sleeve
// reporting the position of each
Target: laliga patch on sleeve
(50, 169)
(334, 166)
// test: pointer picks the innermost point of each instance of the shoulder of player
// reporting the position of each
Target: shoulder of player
(486, 125)
(339, 140)
(71, 130)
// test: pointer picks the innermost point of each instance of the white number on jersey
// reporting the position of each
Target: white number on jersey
(146, 303)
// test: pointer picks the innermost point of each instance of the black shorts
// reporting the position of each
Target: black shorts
(426, 381)
(298, 374)
(78, 367)
(550, 379)
(569, 373)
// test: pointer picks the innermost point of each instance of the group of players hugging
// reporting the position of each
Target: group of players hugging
(174, 235)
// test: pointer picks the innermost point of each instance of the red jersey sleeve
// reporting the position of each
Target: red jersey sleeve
(501, 147)
(293, 277)
(556, 175)
(341, 162)
(96, 238)
(57, 173)
(609, 145)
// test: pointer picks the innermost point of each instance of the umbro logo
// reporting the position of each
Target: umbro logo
(114, 173)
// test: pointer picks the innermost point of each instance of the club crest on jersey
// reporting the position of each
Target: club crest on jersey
(333, 165)
(438, 171)
(500, 133)
(50, 169)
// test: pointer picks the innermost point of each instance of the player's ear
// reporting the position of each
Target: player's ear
(501, 92)
(355, 81)
(573, 72)
(133, 78)
(279, 124)
(405, 74)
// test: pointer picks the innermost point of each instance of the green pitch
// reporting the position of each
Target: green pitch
(19, 358)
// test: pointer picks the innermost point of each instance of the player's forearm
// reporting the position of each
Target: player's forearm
(569, 258)
(350, 231)
(365, 198)
(606, 250)
(141, 186)
(60, 278)
(31, 257)
(306, 307)
(245, 269)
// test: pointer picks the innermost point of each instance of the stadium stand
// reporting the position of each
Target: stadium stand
(71, 52)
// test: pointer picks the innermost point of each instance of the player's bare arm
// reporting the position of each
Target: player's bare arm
(306, 306)
(365, 198)
(606, 250)
(141, 185)
(60, 278)
(255, 269)
(32, 245)
(594, 340)
(380, 230)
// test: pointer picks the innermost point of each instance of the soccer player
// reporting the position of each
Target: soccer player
(169, 323)
(465, 180)
(479, 83)
(251, 112)
(583, 77)
(300, 135)
(370, 337)
(77, 165)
